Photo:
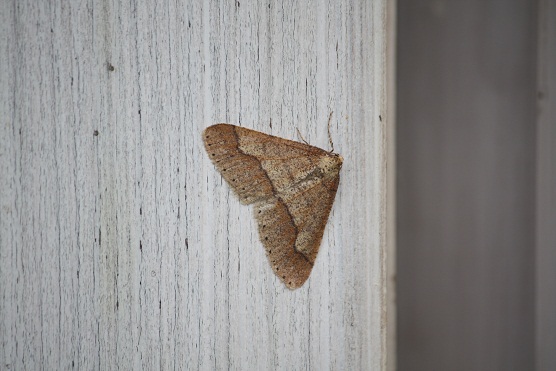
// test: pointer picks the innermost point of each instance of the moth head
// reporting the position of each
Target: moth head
(339, 158)
(331, 163)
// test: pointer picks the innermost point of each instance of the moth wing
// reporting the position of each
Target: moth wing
(310, 208)
(278, 235)
(257, 165)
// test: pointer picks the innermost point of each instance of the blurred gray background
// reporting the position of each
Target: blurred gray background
(475, 185)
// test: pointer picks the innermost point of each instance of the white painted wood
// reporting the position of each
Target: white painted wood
(126, 249)
(390, 118)
(545, 285)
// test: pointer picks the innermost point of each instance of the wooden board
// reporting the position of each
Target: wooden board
(121, 246)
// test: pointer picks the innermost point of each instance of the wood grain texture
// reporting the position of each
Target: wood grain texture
(120, 246)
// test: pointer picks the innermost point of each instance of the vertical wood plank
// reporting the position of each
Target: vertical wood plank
(121, 246)
(390, 119)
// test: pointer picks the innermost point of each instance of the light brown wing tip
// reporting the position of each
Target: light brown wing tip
(293, 286)
(210, 128)
(292, 282)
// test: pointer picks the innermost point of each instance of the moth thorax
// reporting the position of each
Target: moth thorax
(330, 164)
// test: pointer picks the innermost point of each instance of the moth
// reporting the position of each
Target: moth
(292, 186)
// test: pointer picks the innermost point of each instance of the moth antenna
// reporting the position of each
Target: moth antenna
(330, 136)
(301, 136)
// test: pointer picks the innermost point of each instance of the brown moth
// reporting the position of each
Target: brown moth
(292, 185)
